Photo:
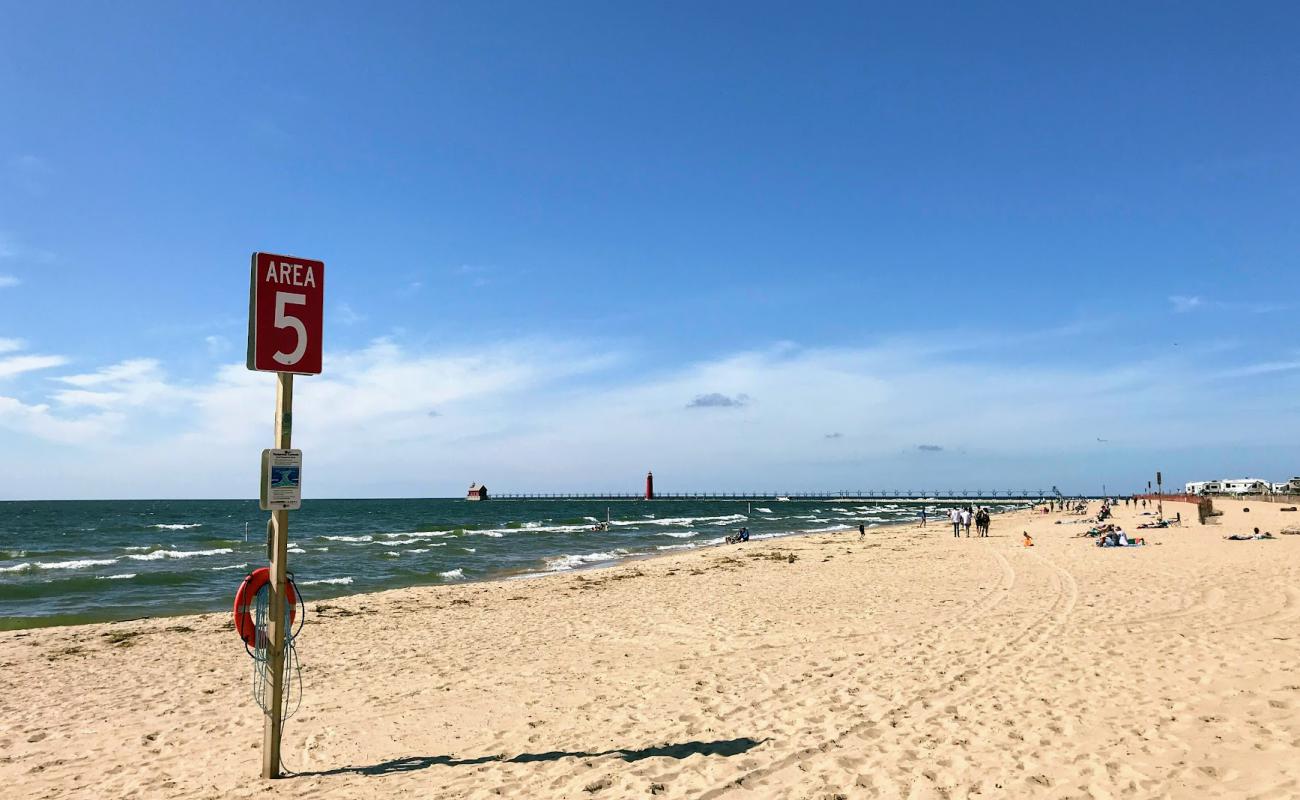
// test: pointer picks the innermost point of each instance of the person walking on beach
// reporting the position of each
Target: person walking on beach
(862, 530)
(965, 520)
(955, 517)
(922, 516)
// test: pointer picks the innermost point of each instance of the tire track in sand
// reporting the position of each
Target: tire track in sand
(958, 689)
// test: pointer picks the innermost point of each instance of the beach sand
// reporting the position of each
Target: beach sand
(907, 664)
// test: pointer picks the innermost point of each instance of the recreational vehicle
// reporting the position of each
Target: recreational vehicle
(1245, 486)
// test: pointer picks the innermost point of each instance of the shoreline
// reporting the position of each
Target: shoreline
(504, 577)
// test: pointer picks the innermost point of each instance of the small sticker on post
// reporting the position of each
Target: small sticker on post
(281, 480)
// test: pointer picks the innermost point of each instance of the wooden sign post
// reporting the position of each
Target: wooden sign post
(279, 554)
(285, 322)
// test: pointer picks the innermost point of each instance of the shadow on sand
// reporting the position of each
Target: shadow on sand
(729, 747)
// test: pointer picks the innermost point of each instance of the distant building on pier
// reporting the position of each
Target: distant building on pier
(477, 492)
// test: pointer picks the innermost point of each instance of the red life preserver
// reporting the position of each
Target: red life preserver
(247, 595)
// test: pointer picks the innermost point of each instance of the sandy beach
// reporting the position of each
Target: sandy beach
(906, 664)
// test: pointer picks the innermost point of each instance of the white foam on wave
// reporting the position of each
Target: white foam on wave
(416, 535)
(16, 568)
(571, 561)
(335, 581)
(679, 534)
(296, 550)
(706, 543)
(122, 577)
(178, 526)
(532, 527)
(684, 522)
(229, 566)
(453, 574)
(827, 529)
(141, 547)
(78, 564)
(470, 549)
(160, 554)
(418, 550)
(392, 553)
(355, 539)
(764, 510)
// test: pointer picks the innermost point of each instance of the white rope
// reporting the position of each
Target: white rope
(261, 652)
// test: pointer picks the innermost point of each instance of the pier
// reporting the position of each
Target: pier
(875, 495)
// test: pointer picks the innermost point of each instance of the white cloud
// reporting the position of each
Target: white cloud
(8, 281)
(539, 415)
(12, 249)
(1185, 303)
(17, 365)
(133, 383)
(11, 345)
(348, 316)
(117, 373)
(216, 345)
(38, 421)
(1263, 368)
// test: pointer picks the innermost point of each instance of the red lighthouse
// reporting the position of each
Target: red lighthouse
(649, 486)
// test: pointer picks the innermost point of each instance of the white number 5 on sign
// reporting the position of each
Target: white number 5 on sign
(283, 320)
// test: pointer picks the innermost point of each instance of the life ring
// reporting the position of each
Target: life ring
(246, 596)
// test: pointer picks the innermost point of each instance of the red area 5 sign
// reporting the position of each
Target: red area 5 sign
(286, 309)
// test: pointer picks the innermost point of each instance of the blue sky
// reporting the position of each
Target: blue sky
(551, 229)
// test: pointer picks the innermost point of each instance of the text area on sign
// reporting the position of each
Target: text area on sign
(285, 312)
(281, 480)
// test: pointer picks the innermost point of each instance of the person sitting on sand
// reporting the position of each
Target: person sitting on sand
(1029, 542)
(744, 534)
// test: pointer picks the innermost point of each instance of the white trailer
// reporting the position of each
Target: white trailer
(1244, 486)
